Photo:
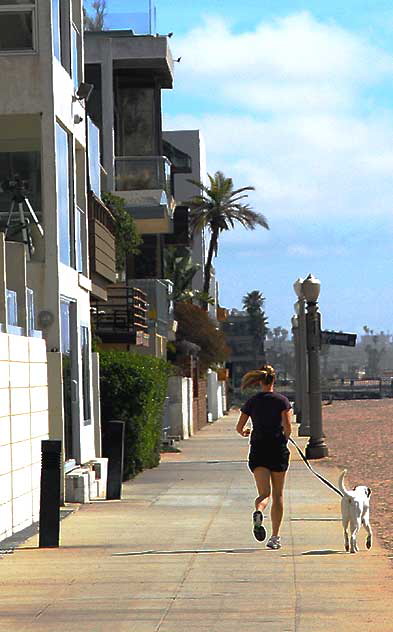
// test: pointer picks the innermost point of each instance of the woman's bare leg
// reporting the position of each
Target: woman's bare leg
(262, 481)
(277, 510)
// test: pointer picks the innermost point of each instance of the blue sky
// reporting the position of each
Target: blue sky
(296, 99)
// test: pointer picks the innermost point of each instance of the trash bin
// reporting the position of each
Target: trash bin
(113, 450)
(49, 529)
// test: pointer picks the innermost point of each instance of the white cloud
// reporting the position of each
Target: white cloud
(290, 63)
(327, 166)
(288, 108)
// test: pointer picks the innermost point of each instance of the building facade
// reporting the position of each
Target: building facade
(44, 201)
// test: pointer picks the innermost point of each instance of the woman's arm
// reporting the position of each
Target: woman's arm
(240, 425)
(286, 418)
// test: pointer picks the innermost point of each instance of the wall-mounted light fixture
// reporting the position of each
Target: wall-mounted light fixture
(45, 318)
(84, 91)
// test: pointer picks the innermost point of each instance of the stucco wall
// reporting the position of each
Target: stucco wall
(23, 425)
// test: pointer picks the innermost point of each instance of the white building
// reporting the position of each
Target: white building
(192, 143)
(43, 143)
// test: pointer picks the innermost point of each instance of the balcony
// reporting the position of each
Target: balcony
(147, 53)
(123, 318)
(144, 182)
(102, 249)
(160, 312)
(141, 173)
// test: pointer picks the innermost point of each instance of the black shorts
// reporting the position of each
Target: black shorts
(273, 456)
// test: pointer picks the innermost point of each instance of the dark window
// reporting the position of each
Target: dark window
(16, 30)
(65, 204)
(66, 355)
(94, 104)
(85, 348)
(26, 166)
(148, 263)
(135, 120)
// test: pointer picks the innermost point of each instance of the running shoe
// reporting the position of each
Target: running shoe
(274, 542)
(258, 528)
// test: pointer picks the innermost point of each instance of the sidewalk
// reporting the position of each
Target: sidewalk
(178, 555)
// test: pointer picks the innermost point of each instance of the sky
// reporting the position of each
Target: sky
(296, 99)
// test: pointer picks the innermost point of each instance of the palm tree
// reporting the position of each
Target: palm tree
(218, 207)
(180, 270)
(253, 304)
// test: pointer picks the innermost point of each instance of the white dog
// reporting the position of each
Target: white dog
(355, 509)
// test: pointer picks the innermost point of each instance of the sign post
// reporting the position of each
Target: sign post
(338, 338)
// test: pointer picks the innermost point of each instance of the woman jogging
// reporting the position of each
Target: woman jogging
(268, 459)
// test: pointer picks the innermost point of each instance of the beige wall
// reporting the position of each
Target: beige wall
(23, 425)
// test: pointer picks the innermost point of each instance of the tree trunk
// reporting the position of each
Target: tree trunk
(208, 265)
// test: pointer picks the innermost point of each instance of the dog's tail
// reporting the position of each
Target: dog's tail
(341, 485)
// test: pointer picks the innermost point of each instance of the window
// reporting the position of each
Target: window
(12, 308)
(56, 29)
(136, 125)
(86, 375)
(94, 104)
(75, 46)
(27, 166)
(30, 311)
(64, 197)
(17, 26)
(93, 140)
(81, 241)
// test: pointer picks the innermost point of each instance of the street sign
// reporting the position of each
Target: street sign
(338, 338)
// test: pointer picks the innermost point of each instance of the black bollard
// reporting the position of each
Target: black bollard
(113, 449)
(50, 494)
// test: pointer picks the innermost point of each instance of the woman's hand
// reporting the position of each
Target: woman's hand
(244, 432)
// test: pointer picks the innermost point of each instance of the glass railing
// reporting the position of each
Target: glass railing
(142, 20)
(139, 173)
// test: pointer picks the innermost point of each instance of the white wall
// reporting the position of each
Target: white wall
(180, 406)
(23, 425)
(192, 143)
(214, 395)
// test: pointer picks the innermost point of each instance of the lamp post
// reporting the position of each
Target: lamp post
(316, 448)
(303, 408)
(295, 334)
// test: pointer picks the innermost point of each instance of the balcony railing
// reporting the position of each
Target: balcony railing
(123, 318)
(141, 173)
(102, 253)
(142, 20)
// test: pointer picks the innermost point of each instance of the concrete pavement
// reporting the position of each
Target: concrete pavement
(177, 554)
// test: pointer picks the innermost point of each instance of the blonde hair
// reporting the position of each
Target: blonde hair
(265, 375)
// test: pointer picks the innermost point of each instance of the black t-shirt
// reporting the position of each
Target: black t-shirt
(265, 411)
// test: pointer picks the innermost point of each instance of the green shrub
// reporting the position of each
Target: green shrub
(133, 389)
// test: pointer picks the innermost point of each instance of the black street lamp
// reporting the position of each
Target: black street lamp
(316, 448)
(303, 413)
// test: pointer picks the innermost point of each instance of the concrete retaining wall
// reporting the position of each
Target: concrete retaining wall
(23, 425)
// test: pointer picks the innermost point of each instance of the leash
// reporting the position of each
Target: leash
(321, 478)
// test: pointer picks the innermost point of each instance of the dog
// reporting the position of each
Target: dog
(355, 510)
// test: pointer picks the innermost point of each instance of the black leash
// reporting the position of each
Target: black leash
(321, 478)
